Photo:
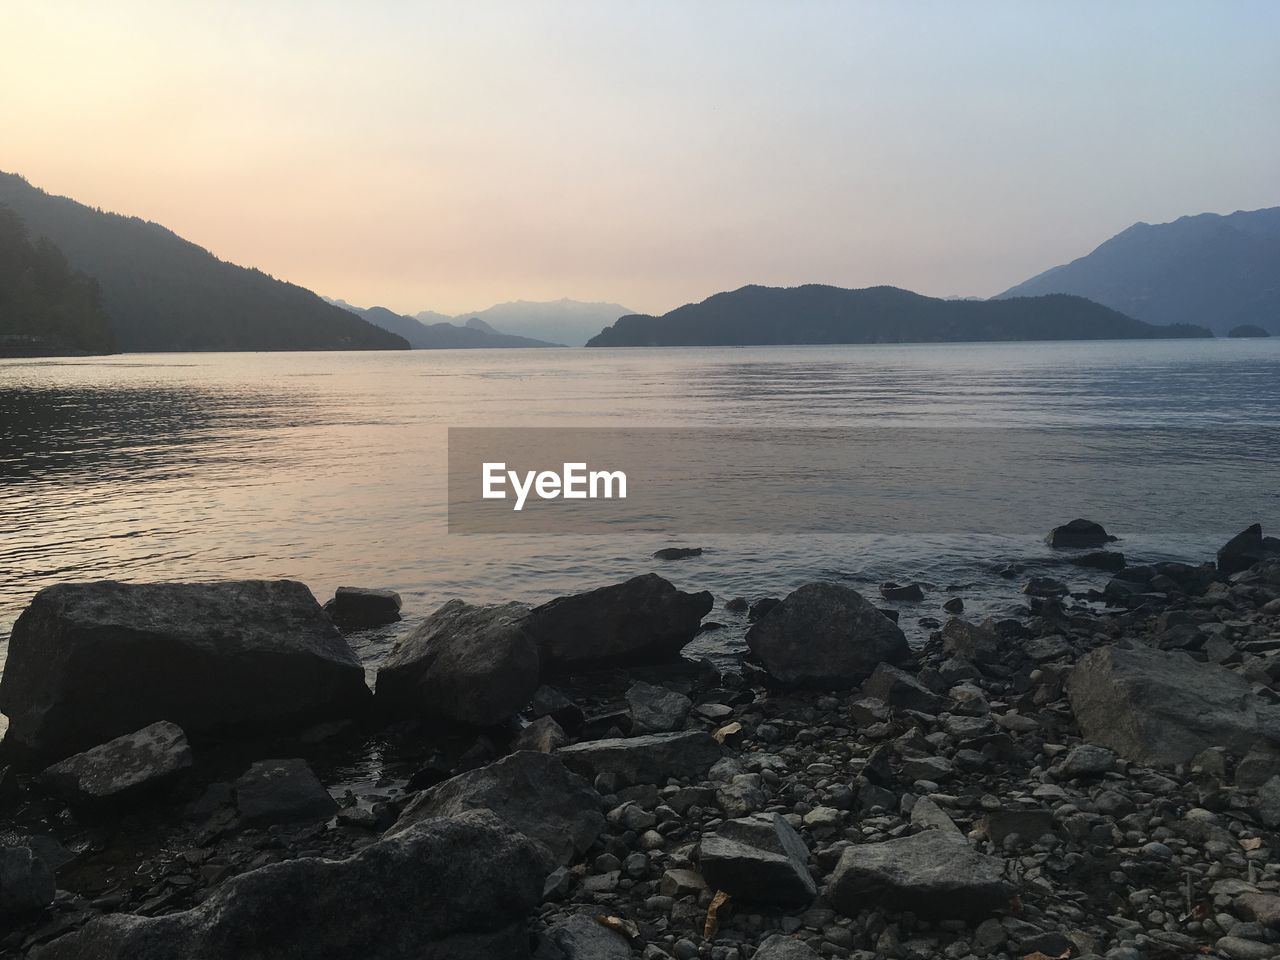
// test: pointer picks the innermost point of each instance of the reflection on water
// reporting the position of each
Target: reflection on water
(329, 468)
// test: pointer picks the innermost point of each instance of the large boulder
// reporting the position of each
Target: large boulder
(533, 792)
(934, 874)
(468, 664)
(281, 791)
(92, 661)
(450, 889)
(1243, 550)
(825, 635)
(643, 619)
(26, 883)
(1157, 706)
(361, 608)
(1079, 535)
(123, 768)
(648, 759)
(758, 859)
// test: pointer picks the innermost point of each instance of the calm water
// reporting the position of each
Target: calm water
(329, 468)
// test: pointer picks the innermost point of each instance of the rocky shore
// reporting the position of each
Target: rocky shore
(1098, 778)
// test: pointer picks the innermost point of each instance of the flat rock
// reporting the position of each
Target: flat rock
(474, 665)
(648, 759)
(543, 735)
(900, 690)
(582, 938)
(677, 553)
(26, 883)
(92, 661)
(656, 709)
(450, 889)
(1087, 760)
(758, 859)
(281, 791)
(123, 768)
(1079, 534)
(901, 591)
(778, 947)
(362, 608)
(825, 635)
(533, 792)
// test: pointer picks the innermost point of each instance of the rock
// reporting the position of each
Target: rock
(737, 605)
(92, 661)
(1269, 803)
(544, 735)
(778, 947)
(758, 859)
(1242, 551)
(1107, 560)
(1029, 824)
(550, 702)
(1256, 767)
(1263, 908)
(933, 874)
(656, 709)
(970, 641)
(123, 768)
(825, 635)
(648, 759)
(1087, 760)
(451, 889)
(897, 591)
(1239, 948)
(677, 553)
(1164, 707)
(26, 883)
(953, 606)
(362, 608)
(533, 792)
(900, 690)
(927, 815)
(643, 619)
(582, 938)
(1045, 587)
(760, 607)
(467, 664)
(281, 791)
(1079, 535)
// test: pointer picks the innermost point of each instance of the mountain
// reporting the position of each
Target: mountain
(46, 308)
(441, 335)
(569, 322)
(1218, 271)
(164, 293)
(822, 314)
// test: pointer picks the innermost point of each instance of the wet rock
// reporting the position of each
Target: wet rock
(281, 791)
(643, 619)
(543, 735)
(1079, 534)
(825, 635)
(758, 859)
(737, 605)
(648, 759)
(449, 889)
(92, 661)
(362, 608)
(582, 938)
(123, 768)
(933, 874)
(778, 947)
(970, 641)
(953, 606)
(533, 792)
(1163, 707)
(677, 553)
(900, 690)
(26, 883)
(1242, 551)
(898, 591)
(656, 709)
(468, 664)
(1107, 560)
(1045, 587)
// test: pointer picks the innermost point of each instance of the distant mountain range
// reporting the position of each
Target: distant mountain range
(163, 293)
(822, 314)
(440, 334)
(1218, 271)
(568, 322)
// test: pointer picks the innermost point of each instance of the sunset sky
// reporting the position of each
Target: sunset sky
(448, 156)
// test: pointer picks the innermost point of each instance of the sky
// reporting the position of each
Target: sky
(447, 156)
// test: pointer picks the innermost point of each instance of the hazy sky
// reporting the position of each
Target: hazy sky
(450, 155)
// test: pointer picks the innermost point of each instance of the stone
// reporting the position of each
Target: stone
(1079, 534)
(1045, 587)
(26, 883)
(1110, 561)
(679, 882)
(898, 591)
(927, 815)
(677, 553)
(1263, 908)
(1087, 760)
(467, 664)
(656, 709)
(362, 608)
(1239, 948)
(758, 859)
(970, 641)
(1269, 803)
(900, 690)
(1242, 551)
(533, 792)
(450, 889)
(582, 938)
(1163, 707)
(89, 662)
(825, 635)
(1256, 767)
(644, 619)
(653, 758)
(933, 874)
(281, 791)
(543, 735)
(779, 947)
(953, 606)
(122, 769)
(1029, 824)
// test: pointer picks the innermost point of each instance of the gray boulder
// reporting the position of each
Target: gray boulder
(1079, 535)
(467, 664)
(825, 635)
(582, 938)
(656, 709)
(649, 759)
(778, 947)
(123, 768)
(934, 874)
(900, 690)
(1155, 706)
(644, 619)
(533, 792)
(758, 859)
(362, 608)
(92, 661)
(453, 889)
(281, 791)
(26, 883)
